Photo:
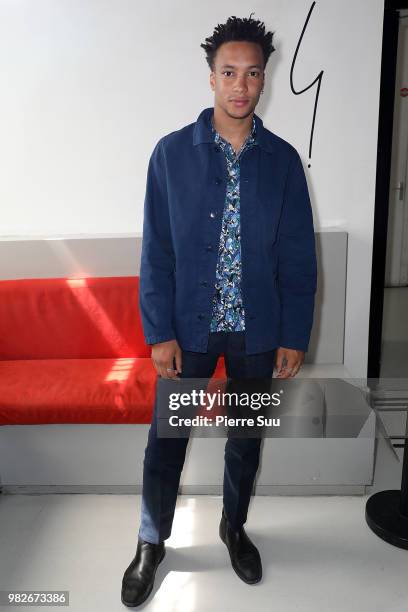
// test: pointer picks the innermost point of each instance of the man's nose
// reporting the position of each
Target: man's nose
(240, 84)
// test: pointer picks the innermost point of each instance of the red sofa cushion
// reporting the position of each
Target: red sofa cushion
(38, 391)
(51, 318)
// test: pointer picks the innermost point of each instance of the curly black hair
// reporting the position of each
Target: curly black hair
(235, 28)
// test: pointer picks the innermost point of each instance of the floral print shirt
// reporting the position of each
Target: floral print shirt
(228, 312)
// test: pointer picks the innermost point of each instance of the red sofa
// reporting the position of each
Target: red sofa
(73, 351)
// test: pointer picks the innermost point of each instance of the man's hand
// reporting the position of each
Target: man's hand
(163, 354)
(294, 360)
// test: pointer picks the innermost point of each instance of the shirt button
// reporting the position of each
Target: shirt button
(212, 215)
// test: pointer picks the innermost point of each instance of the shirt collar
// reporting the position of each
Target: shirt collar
(203, 130)
(217, 136)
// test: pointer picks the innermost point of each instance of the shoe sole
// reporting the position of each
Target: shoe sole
(232, 564)
(132, 605)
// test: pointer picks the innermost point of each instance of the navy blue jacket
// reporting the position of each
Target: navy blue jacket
(184, 202)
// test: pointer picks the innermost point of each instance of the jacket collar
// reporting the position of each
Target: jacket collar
(203, 132)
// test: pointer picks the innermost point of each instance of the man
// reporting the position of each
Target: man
(228, 266)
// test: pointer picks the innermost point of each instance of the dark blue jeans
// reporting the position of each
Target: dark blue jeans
(164, 457)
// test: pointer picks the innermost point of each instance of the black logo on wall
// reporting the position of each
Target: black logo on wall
(317, 80)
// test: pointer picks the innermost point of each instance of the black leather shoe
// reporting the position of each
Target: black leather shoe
(138, 579)
(244, 555)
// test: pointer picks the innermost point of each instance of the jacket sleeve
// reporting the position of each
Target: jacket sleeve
(156, 286)
(297, 267)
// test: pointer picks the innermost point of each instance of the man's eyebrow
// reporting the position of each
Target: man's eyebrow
(231, 66)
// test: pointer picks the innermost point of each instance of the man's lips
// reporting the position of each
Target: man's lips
(240, 101)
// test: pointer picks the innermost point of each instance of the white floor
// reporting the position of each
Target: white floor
(318, 554)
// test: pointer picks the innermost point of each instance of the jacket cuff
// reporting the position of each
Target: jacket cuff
(162, 338)
(297, 345)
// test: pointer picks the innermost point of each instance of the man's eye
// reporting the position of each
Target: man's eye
(255, 73)
(227, 71)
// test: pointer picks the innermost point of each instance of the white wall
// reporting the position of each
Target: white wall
(89, 86)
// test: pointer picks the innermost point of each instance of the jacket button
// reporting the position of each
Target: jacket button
(208, 247)
(200, 316)
(216, 149)
(212, 215)
(204, 284)
(218, 180)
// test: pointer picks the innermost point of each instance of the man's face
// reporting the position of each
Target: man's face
(238, 76)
